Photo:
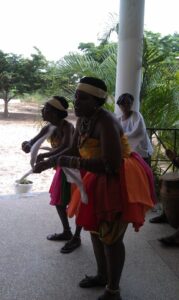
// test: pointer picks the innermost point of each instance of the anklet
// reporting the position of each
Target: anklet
(113, 292)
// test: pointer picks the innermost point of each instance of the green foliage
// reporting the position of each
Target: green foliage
(160, 108)
(19, 75)
(159, 91)
(72, 67)
(159, 94)
(97, 53)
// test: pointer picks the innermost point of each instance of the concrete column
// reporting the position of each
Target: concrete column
(129, 60)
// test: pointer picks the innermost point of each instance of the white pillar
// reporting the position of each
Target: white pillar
(129, 60)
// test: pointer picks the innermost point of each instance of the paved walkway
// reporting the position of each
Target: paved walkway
(32, 268)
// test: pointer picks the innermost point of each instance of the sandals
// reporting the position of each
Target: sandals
(71, 245)
(64, 236)
(92, 281)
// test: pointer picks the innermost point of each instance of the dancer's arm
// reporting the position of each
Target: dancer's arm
(26, 145)
(66, 141)
(51, 162)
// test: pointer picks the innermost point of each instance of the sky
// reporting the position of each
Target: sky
(57, 27)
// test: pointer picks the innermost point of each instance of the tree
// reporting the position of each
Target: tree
(19, 75)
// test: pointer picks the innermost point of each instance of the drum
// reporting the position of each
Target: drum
(169, 193)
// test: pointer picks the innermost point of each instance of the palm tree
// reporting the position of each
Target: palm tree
(159, 80)
(75, 65)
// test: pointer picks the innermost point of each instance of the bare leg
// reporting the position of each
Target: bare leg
(63, 217)
(115, 257)
(66, 234)
(77, 231)
(101, 278)
(98, 249)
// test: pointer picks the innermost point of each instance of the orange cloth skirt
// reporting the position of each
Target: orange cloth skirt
(129, 193)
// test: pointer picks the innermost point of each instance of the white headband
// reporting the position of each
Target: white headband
(55, 103)
(92, 90)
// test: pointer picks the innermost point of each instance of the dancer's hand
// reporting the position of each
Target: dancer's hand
(26, 146)
(41, 166)
(40, 158)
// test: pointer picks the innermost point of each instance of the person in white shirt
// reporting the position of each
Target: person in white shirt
(134, 127)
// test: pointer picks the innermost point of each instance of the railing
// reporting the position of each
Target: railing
(160, 160)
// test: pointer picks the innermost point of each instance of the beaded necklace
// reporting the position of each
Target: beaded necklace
(86, 127)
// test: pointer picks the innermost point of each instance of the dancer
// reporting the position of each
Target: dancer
(54, 112)
(118, 183)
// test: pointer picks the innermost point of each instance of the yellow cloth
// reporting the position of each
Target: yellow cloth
(109, 232)
(125, 148)
(91, 148)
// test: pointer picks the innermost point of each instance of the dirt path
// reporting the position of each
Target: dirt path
(22, 125)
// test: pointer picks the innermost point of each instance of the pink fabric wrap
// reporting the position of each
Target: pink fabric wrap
(55, 188)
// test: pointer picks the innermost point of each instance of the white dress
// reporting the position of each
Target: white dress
(135, 129)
